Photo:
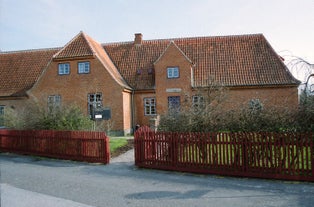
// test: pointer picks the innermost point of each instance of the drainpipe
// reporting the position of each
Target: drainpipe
(133, 111)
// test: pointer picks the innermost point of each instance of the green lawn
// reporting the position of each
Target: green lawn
(116, 143)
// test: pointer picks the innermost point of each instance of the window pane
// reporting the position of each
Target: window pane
(83, 67)
(174, 103)
(94, 103)
(64, 68)
(98, 97)
(169, 73)
(173, 72)
(54, 102)
(149, 106)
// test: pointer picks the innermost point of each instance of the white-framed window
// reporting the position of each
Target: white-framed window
(83, 67)
(149, 106)
(94, 102)
(198, 103)
(173, 72)
(54, 102)
(64, 68)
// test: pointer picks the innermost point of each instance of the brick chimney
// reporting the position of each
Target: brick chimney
(138, 39)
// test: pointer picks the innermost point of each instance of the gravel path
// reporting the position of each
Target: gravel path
(127, 157)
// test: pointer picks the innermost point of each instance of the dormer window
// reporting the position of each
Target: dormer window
(173, 72)
(64, 68)
(83, 67)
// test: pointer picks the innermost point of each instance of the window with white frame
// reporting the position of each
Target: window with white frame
(83, 67)
(198, 103)
(149, 106)
(173, 72)
(94, 103)
(64, 68)
(54, 102)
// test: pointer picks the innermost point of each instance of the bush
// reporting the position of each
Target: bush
(66, 118)
(269, 119)
(253, 117)
(305, 116)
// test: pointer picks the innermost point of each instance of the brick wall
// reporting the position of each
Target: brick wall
(75, 87)
(165, 86)
(270, 97)
(140, 117)
(234, 98)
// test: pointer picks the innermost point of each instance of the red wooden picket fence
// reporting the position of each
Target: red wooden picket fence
(287, 156)
(84, 146)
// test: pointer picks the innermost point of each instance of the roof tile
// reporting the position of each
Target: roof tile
(21, 69)
(77, 47)
(240, 60)
(243, 60)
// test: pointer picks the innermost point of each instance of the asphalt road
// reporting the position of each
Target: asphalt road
(29, 181)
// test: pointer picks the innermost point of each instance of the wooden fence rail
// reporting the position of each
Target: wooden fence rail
(288, 156)
(72, 145)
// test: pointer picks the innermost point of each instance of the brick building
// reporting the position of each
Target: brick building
(132, 82)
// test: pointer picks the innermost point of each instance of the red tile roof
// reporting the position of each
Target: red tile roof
(245, 60)
(78, 47)
(83, 45)
(242, 60)
(20, 70)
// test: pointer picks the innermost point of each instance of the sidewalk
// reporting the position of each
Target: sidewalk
(16, 197)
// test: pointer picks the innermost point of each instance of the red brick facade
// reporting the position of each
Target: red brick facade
(127, 73)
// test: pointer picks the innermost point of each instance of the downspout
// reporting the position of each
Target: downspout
(132, 112)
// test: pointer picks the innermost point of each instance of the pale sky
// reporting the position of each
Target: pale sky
(288, 25)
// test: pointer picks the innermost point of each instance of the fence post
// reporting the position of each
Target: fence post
(174, 143)
(244, 151)
(107, 149)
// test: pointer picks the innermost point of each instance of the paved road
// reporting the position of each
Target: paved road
(27, 181)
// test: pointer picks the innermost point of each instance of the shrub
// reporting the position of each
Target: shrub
(305, 116)
(66, 118)
(200, 111)
(253, 117)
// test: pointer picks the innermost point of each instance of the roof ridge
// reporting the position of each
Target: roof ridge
(30, 50)
(185, 38)
(203, 37)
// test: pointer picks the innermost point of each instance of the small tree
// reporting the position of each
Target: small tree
(200, 111)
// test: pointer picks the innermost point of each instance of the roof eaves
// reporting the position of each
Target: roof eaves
(30, 50)
(279, 59)
(88, 40)
(14, 97)
(104, 58)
